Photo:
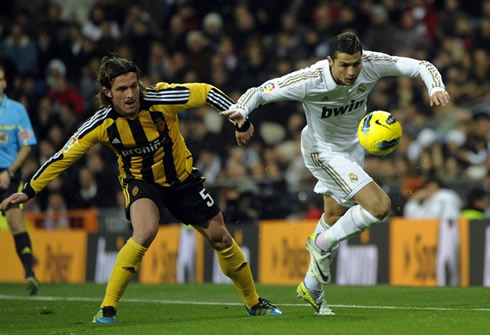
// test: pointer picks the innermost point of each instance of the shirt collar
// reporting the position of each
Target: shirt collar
(329, 81)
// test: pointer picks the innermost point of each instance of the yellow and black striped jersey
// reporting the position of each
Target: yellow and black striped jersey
(149, 145)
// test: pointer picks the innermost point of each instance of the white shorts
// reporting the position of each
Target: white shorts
(339, 174)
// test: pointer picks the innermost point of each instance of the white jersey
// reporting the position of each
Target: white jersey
(334, 111)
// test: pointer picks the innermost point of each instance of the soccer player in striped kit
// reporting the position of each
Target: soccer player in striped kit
(334, 94)
(141, 125)
(16, 140)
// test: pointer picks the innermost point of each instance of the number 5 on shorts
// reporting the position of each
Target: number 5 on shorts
(205, 195)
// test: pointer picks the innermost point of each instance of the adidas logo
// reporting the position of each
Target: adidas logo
(244, 264)
(129, 269)
(116, 141)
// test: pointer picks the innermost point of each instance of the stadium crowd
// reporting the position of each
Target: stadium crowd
(52, 50)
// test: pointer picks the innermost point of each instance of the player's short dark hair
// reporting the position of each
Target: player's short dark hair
(110, 68)
(347, 43)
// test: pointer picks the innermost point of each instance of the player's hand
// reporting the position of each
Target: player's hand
(14, 199)
(242, 137)
(235, 116)
(440, 98)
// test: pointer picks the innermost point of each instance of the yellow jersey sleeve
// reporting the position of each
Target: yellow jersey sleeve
(178, 97)
(79, 143)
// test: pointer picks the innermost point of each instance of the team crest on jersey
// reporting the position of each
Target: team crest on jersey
(4, 137)
(361, 88)
(160, 125)
(135, 191)
(353, 178)
(269, 87)
(71, 142)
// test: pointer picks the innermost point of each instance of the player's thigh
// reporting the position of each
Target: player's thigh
(15, 220)
(332, 210)
(14, 216)
(339, 177)
(191, 202)
(143, 208)
(145, 216)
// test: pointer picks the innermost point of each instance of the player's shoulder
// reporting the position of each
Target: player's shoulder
(164, 86)
(165, 93)
(310, 75)
(375, 57)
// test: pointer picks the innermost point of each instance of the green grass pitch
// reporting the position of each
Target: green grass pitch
(217, 309)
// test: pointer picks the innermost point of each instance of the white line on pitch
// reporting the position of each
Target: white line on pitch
(183, 302)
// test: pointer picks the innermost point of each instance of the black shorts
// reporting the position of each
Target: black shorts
(188, 201)
(14, 187)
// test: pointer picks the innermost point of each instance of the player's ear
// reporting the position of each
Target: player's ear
(107, 92)
(330, 60)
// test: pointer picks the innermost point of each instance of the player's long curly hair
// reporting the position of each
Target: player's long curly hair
(111, 67)
(347, 43)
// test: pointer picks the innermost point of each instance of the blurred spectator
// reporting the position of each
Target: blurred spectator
(436, 201)
(21, 50)
(61, 92)
(57, 217)
(379, 34)
(212, 27)
(139, 36)
(476, 204)
(54, 24)
(91, 194)
(92, 28)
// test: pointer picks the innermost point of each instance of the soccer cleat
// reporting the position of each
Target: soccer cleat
(264, 307)
(320, 260)
(315, 298)
(106, 314)
(32, 285)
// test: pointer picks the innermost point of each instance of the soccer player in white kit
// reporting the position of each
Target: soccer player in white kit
(334, 94)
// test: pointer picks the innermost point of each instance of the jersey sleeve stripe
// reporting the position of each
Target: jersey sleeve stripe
(436, 78)
(92, 123)
(179, 95)
(243, 101)
(56, 157)
(220, 101)
(300, 77)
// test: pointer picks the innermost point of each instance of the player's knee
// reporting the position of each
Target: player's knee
(144, 236)
(381, 209)
(221, 241)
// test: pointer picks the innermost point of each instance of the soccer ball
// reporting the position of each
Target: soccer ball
(379, 133)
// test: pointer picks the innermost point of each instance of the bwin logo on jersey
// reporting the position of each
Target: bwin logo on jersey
(328, 112)
(138, 151)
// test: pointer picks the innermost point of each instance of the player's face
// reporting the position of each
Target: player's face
(3, 81)
(125, 94)
(345, 68)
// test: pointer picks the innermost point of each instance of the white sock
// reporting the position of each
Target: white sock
(310, 282)
(352, 223)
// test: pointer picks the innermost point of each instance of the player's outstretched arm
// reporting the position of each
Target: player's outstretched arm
(440, 98)
(14, 199)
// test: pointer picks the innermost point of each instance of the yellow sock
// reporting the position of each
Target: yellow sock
(127, 263)
(235, 266)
